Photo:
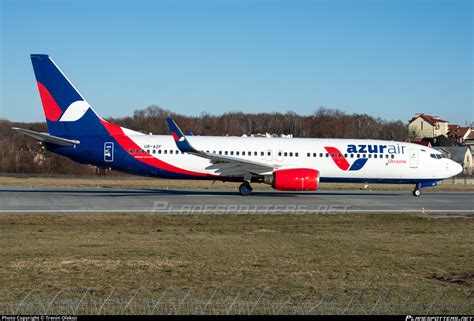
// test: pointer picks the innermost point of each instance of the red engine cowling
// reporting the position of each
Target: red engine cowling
(295, 179)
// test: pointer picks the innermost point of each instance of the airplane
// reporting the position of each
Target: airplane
(76, 131)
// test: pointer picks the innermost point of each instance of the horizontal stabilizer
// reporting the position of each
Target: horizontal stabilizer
(47, 138)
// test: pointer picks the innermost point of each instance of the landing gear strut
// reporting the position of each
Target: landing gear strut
(245, 189)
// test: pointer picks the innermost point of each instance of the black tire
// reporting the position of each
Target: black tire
(416, 192)
(245, 189)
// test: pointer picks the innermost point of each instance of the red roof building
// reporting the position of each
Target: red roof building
(422, 125)
(460, 134)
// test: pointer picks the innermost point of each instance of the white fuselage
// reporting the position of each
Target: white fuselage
(385, 160)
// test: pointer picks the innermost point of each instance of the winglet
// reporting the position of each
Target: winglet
(179, 137)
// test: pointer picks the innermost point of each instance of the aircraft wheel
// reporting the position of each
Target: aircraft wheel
(416, 192)
(245, 189)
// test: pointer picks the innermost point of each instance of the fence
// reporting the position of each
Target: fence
(458, 180)
(218, 301)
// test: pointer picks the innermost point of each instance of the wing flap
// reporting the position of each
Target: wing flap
(222, 164)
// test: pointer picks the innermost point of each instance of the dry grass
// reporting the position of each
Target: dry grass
(285, 253)
(139, 182)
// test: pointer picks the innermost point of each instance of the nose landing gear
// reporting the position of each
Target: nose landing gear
(420, 185)
(416, 192)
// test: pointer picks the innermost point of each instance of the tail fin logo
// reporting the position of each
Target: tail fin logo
(50, 106)
(53, 112)
(75, 111)
(341, 161)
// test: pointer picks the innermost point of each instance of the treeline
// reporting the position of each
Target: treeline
(324, 123)
(21, 154)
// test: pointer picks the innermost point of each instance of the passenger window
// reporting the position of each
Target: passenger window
(255, 154)
(232, 152)
(393, 156)
(358, 155)
(296, 154)
(148, 151)
(262, 154)
(143, 152)
(225, 153)
(286, 154)
(165, 151)
(291, 154)
(386, 156)
(237, 153)
(375, 155)
(370, 155)
(220, 152)
(320, 154)
(339, 155)
(308, 154)
(352, 155)
(136, 151)
(363, 156)
(345, 155)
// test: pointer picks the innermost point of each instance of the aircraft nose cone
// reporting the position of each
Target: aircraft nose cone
(457, 168)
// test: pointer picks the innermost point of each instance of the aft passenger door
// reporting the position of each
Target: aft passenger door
(413, 158)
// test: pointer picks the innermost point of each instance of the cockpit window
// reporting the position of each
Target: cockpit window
(437, 156)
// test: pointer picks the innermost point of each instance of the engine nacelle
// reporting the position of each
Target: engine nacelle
(295, 179)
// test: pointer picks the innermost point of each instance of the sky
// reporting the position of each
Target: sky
(385, 58)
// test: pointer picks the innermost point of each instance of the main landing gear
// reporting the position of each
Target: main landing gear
(245, 189)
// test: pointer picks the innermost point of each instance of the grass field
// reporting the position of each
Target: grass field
(138, 182)
(285, 253)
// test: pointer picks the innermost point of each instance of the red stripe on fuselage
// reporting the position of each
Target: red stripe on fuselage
(338, 158)
(127, 144)
(50, 107)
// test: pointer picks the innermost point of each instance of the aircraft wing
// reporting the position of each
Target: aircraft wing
(47, 138)
(222, 164)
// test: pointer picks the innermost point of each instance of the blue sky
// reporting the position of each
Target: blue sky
(387, 58)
